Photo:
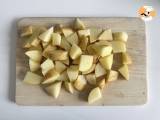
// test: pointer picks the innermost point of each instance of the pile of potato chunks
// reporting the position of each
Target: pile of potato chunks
(75, 57)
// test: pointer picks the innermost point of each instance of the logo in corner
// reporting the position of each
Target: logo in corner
(146, 13)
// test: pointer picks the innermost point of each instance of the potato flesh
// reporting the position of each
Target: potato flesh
(118, 46)
(73, 39)
(112, 76)
(69, 87)
(86, 62)
(94, 95)
(72, 72)
(46, 36)
(124, 71)
(46, 66)
(34, 55)
(26, 31)
(80, 83)
(33, 65)
(32, 78)
(51, 76)
(106, 35)
(75, 51)
(102, 50)
(67, 31)
(59, 55)
(79, 24)
(91, 78)
(107, 62)
(94, 33)
(99, 70)
(83, 43)
(56, 39)
(90, 70)
(63, 76)
(48, 51)
(59, 66)
(54, 89)
(126, 59)
(122, 36)
(101, 83)
(84, 33)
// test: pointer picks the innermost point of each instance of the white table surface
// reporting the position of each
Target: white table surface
(11, 10)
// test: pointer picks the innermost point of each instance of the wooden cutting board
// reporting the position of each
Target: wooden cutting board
(120, 92)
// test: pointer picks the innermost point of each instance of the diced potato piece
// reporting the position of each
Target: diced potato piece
(58, 28)
(48, 51)
(118, 46)
(34, 55)
(126, 59)
(91, 78)
(32, 78)
(63, 76)
(124, 71)
(51, 76)
(107, 61)
(59, 66)
(26, 31)
(65, 44)
(67, 31)
(66, 62)
(75, 51)
(94, 33)
(122, 36)
(84, 33)
(69, 87)
(72, 72)
(26, 43)
(33, 65)
(83, 43)
(44, 44)
(46, 36)
(101, 83)
(80, 83)
(46, 66)
(59, 55)
(95, 59)
(35, 42)
(106, 35)
(56, 39)
(94, 95)
(54, 89)
(102, 50)
(90, 70)
(79, 25)
(99, 70)
(76, 61)
(39, 48)
(112, 76)
(103, 42)
(86, 62)
(73, 39)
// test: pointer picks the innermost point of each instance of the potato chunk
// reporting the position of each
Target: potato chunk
(34, 55)
(112, 76)
(83, 43)
(106, 35)
(94, 33)
(91, 78)
(46, 66)
(107, 61)
(73, 39)
(118, 46)
(124, 71)
(72, 72)
(86, 62)
(33, 65)
(75, 51)
(32, 78)
(80, 83)
(59, 55)
(46, 36)
(56, 39)
(79, 25)
(51, 76)
(126, 59)
(122, 36)
(67, 31)
(69, 87)
(99, 70)
(94, 95)
(84, 33)
(54, 89)
(102, 50)
(26, 31)
(59, 66)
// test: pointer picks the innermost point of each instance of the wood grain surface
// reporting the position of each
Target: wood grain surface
(120, 92)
